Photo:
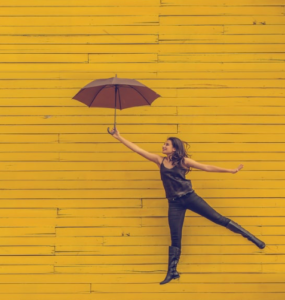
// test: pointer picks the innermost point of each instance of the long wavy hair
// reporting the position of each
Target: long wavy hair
(177, 158)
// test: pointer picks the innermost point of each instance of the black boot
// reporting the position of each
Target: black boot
(238, 229)
(173, 258)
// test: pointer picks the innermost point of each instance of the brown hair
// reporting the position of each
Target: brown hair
(177, 157)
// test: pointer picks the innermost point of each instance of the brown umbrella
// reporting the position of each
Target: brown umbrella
(116, 93)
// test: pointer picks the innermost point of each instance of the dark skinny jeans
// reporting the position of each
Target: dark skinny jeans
(176, 214)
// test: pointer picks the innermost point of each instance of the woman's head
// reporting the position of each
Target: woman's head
(176, 150)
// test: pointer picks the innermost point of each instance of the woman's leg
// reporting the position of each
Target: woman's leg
(200, 206)
(176, 214)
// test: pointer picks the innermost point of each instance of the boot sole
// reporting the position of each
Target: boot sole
(169, 280)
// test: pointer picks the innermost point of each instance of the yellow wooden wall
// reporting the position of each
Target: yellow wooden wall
(84, 218)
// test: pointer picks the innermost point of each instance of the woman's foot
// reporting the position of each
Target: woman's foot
(173, 258)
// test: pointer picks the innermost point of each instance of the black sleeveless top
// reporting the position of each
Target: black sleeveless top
(174, 181)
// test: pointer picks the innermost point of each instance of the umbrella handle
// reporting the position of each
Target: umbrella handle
(110, 131)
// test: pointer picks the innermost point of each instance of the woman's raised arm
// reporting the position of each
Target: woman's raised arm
(150, 156)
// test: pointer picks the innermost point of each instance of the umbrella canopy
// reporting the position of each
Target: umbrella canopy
(118, 93)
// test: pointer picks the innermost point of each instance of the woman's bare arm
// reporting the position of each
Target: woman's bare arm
(209, 168)
(150, 156)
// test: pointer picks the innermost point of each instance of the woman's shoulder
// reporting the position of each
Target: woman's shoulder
(161, 158)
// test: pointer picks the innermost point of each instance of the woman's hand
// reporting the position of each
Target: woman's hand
(115, 133)
(237, 169)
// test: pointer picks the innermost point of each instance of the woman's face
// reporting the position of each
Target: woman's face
(168, 147)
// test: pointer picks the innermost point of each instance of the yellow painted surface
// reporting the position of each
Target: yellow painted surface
(81, 216)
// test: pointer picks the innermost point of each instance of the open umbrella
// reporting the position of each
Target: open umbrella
(116, 93)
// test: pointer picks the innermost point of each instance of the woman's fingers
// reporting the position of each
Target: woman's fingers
(115, 132)
(238, 168)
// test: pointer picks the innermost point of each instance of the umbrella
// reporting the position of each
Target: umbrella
(116, 93)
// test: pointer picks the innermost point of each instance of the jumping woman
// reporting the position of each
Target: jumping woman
(181, 196)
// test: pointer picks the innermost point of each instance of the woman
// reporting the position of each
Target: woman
(181, 196)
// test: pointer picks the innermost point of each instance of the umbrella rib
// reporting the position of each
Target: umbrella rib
(140, 94)
(119, 99)
(97, 95)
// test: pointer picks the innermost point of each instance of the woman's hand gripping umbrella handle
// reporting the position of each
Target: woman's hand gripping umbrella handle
(114, 132)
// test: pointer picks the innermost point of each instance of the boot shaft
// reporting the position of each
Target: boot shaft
(173, 258)
(238, 229)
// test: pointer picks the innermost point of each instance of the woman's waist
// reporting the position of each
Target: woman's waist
(180, 195)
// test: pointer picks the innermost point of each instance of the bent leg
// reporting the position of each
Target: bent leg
(201, 207)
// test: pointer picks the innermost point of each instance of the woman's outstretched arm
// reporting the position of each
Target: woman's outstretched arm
(209, 168)
(150, 156)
